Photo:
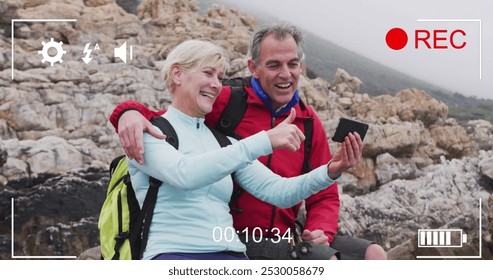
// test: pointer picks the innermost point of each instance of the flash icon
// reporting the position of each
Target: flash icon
(87, 51)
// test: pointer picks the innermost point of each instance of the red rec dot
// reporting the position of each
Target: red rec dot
(396, 38)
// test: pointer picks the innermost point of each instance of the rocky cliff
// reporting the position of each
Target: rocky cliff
(421, 169)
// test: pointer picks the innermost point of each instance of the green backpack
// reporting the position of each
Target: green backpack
(123, 225)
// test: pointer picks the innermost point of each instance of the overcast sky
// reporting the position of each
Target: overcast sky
(361, 26)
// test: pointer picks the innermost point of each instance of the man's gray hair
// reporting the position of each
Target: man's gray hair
(280, 31)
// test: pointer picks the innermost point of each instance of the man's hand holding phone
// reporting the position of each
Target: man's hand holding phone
(350, 133)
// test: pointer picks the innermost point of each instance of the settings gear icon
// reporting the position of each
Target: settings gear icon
(55, 58)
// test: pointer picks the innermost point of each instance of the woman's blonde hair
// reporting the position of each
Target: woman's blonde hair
(192, 55)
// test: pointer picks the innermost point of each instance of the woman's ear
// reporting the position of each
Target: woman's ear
(176, 73)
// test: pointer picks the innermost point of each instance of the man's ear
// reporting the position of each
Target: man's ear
(253, 68)
(175, 73)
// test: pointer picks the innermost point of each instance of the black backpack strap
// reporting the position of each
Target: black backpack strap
(223, 142)
(235, 196)
(307, 144)
(233, 112)
(245, 81)
(167, 130)
(308, 126)
(230, 118)
(221, 138)
(114, 164)
(141, 232)
(148, 211)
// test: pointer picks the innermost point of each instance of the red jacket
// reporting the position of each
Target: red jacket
(322, 208)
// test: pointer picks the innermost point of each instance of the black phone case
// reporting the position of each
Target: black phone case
(346, 126)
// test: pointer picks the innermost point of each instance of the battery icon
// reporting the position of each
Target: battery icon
(441, 238)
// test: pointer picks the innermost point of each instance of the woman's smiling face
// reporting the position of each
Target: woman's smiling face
(197, 90)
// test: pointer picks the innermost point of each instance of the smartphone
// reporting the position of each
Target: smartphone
(346, 126)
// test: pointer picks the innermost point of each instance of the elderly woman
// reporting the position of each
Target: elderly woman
(191, 218)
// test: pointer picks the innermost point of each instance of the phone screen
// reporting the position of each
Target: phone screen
(346, 126)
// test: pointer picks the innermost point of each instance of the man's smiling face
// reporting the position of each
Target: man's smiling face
(278, 70)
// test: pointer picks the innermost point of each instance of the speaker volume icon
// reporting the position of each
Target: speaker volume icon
(121, 52)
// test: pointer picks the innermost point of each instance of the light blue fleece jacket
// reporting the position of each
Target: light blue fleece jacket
(193, 200)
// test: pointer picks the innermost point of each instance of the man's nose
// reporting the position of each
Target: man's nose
(285, 73)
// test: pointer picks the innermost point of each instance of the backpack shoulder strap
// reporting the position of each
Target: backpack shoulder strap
(223, 142)
(307, 144)
(221, 138)
(167, 129)
(145, 218)
(234, 110)
(308, 127)
(114, 164)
